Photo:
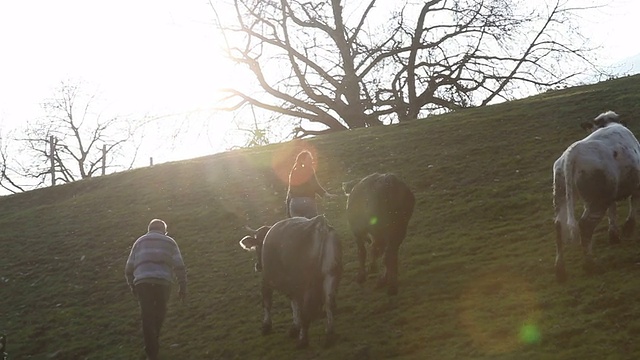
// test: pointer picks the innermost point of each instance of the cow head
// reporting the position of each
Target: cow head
(602, 121)
(254, 242)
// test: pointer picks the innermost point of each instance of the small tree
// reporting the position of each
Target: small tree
(82, 138)
(9, 176)
(255, 134)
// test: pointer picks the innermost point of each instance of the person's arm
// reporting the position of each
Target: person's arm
(318, 188)
(286, 203)
(180, 271)
(129, 268)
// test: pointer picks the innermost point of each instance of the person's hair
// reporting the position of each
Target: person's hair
(304, 157)
(157, 225)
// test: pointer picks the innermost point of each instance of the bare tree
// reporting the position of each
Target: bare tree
(320, 79)
(356, 64)
(492, 50)
(82, 138)
(9, 177)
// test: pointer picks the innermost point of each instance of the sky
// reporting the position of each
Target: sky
(141, 57)
(162, 57)
(614, 27)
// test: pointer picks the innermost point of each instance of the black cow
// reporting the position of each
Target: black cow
(301, 258)
(379, 208)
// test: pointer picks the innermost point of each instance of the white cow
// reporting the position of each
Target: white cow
(600, 169)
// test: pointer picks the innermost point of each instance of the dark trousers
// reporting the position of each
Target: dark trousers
(302, 206)
(153, 299)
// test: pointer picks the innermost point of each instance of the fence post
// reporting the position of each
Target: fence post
(52, 149)
(104, 158)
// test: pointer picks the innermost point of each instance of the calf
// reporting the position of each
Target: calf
(601, 169)
(301, 258)
(379, 208)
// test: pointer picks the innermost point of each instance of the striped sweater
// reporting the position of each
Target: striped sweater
(155, 258)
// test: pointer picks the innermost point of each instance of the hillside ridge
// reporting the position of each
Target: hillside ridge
(476, 269)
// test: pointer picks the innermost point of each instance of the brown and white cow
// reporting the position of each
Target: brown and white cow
(378, 209)
(601, 169)
(301, 258)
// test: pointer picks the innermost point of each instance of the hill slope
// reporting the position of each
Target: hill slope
(476, 268)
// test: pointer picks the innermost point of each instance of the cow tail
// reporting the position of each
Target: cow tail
(315, 299)
(569, 166)
(389, 182)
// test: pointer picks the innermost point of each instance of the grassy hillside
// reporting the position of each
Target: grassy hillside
(476, 268)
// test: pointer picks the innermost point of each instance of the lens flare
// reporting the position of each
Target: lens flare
(529, 334)
(373, 220)
(493, 309)
(282, 159)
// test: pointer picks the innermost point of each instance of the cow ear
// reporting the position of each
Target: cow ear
(261, 233)
(249, 243)
(587, 126)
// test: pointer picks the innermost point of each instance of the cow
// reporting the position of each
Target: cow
(601, 169)
(301, 258)
(379, 208)
(3, 345)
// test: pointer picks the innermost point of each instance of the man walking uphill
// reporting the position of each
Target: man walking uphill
(154, 261)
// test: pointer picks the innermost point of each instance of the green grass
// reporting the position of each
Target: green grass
(476, 268)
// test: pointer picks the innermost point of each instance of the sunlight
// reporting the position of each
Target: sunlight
(163, 59)
(284, 157)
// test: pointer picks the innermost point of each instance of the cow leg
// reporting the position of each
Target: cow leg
(267, 295)
(362, 258)
(614, 231)
(377, 249)
(630, 223)
(303, 337)
(295, 309)
(560, 223)
(390, 276)
(590, 218)
(561, 272)
(305, 319)
(330, 286)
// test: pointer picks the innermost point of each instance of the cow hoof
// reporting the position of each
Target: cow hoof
(361, 278)
(303, 343)
(294, 331)
(382, 282)
(392, 290)
(266, 329)
(561, 276)
(614, 237)
(591, 267)
(329, 340)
